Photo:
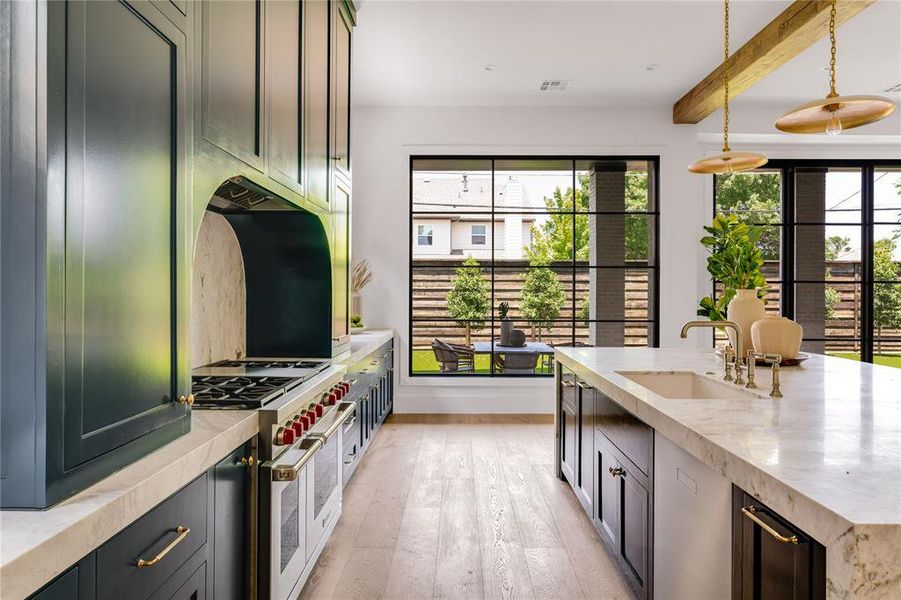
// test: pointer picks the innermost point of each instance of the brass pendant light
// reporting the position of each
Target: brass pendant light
(833, 114)
(728, 161)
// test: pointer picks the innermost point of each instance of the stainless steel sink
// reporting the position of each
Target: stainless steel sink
(680, 385)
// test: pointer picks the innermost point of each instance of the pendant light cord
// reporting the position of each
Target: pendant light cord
(832, 93)
(726, 74)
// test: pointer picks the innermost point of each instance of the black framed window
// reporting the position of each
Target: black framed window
(839, 265)
(568, 244)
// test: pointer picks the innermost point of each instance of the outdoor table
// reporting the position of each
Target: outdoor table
(539, 347)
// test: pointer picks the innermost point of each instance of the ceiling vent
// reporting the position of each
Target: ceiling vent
(893, 89)
(554, 85)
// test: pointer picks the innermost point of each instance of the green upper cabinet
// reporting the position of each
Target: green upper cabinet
(111, 330)
(340, 263)
(316, 100)
(284, 76)
(342, 25)
(231, 90)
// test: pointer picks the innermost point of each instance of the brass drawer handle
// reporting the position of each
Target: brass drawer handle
(583, 385)
(189, 399)
(749, 511)
(616, 472)
(566, 383)
(248, 460)
(182, 532)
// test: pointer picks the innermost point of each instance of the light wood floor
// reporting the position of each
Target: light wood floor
(462, 507)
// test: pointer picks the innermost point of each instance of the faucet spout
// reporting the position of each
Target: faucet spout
(739, 342)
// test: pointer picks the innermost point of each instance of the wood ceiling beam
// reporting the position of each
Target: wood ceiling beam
(797, 28)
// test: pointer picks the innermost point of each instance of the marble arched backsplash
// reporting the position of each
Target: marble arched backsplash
(218, 310)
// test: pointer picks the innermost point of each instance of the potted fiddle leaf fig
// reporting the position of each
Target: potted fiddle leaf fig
(503, 310)
(735, 261)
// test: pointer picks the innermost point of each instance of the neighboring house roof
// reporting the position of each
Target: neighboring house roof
(457, 190)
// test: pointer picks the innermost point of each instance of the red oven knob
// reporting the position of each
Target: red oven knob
(319, 409)
(306, 421)
(339, 392)
(297, 426)
(311, 415)
(284, 436)
(346, 387)
(332, 398)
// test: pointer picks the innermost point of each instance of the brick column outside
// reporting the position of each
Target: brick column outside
(607, 242)
(810, 255)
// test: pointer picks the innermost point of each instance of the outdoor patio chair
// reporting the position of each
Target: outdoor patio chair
(519, 363)
(453, 358)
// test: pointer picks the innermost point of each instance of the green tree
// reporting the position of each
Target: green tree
(755, 198)
(468, 299)
(554, 239)
(886, 297)
(836, 246)
(542, 296)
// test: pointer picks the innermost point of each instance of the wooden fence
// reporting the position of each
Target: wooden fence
(432, 282)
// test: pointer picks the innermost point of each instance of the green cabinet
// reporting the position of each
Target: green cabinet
(316, 23)
(233, 522)
(342, 26)
(101, 372)
(199, 539)
(340, 241)
(284, 78)
(231, 84)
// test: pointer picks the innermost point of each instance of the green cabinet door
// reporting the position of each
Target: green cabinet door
(340, 217)
(232, 546)
(342, 26)
(118, 238)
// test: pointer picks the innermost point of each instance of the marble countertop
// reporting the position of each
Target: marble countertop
(826, 456)
(39, 545)
(362, 344)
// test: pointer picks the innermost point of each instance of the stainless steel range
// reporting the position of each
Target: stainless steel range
(302, 424)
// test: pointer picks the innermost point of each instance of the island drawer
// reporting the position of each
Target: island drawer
(164, 527)
(631, 436)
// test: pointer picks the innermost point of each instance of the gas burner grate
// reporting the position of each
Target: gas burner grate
(270, 364)
(216, 391)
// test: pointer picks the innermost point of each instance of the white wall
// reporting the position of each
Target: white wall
(385, 138)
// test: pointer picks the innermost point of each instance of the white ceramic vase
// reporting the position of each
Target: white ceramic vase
(744, 309)
(777, 335)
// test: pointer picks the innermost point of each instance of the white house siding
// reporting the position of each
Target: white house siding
(441, 239)
(461, 239)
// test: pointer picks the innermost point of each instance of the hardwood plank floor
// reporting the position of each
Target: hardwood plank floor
(462, 506)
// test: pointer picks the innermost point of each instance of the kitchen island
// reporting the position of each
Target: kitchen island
(826, 456)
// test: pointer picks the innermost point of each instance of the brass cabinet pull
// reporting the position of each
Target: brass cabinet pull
(182, 532)
(566, 383)
(247, 460)
(616, 471)
(583, 385)
(749, 511)
(189, 399)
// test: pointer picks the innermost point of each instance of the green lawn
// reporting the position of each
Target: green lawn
(424, 362)
(889, 360)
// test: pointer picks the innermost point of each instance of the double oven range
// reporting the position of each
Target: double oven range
(303, 419)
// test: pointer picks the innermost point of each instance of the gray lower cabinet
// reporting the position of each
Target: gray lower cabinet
(372, 392)
(193, 545)
(585, 473)
(99, 353)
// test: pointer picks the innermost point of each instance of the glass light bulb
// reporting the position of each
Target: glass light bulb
(834, 126)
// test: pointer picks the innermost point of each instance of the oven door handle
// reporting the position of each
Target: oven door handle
(289, 472)
(345, 410)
